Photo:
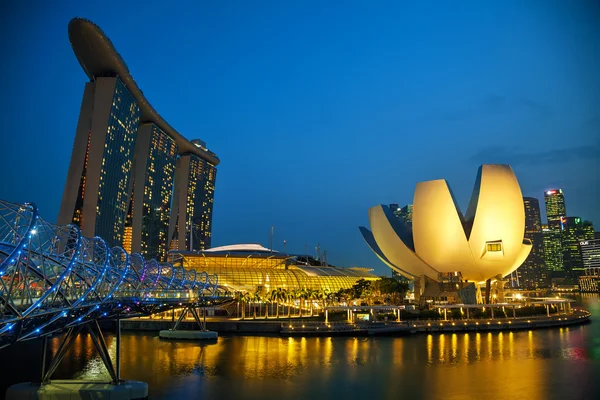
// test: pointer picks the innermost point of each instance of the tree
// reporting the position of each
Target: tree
(287, 295)
(240, 297)
(312, 295)
(393, 289)
(359, 287)
(274, 298)
(254, 298)
(243, 298)
(323, 295)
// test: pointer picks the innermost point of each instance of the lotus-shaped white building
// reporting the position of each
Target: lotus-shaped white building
(485, 242)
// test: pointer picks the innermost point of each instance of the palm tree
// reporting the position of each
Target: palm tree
(243, 298)
(306, 293)
(239, 298)
(267, 300)
(277, 295)
(299, 294)
(256, 298)
(322, 294)
(312, 295)
(287, 295)
(329, 297)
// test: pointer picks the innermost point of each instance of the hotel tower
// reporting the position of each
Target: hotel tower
(131, 174)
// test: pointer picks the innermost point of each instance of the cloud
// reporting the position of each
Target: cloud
(514, 156)
(497, 104)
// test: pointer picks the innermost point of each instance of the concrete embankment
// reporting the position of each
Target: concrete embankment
(319, 328)
(225, 326)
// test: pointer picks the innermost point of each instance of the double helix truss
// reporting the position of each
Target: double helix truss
(53, 279)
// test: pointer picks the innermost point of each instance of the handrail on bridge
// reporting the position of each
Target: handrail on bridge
(52, 278)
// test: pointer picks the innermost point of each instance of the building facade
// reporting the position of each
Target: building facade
(556, 209)
(405, 214)
(556, 212)
(256, 269)
(533, 274)
(154, 174)
(98, 188)
(123, 165)
(191, 220)
(553, 255)
(574, 232)
(589, 281)
(443, 242)
(590, 253)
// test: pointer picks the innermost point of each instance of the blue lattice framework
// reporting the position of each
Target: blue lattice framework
(52, 278)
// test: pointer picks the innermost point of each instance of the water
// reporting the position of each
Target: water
(562, 363)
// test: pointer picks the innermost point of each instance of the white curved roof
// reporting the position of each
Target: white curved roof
(240, 247)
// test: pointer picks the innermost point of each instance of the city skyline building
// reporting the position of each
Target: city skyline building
(574, 231)
(556, 211)
(553, 255)
(123, 166)
(590, 252)
(405, 214)
(532, 273)
(192, 203)
(97, 191)
(154, 174)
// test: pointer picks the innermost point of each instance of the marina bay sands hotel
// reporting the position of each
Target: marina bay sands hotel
(133, 179)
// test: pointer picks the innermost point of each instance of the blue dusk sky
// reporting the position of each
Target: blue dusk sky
(319, 110)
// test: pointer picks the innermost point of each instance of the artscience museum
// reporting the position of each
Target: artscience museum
(444, 245)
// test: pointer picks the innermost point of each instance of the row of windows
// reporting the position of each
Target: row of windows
(158, 187)
(115, 174)
(113, 211)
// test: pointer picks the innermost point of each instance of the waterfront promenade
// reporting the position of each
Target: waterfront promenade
(525, 364)
(313, 327)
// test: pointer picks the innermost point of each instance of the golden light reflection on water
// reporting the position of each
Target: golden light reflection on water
(430, 349)
(303, 363)
(454, 346)
(465, 347)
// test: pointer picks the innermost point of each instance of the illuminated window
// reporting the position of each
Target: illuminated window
(494, 247)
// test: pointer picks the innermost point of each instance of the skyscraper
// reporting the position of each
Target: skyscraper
(154, 174)
(590, 251)
(556, 211)
(555, 207)
(404, 213)
(553, 255)
(574, 232)
(192, 203)
(121, 176)
(532, 273)
(97, 192)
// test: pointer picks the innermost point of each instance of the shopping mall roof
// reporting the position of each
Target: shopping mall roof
(234, 250)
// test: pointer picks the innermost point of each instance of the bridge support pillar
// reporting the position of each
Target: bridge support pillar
(73, 389)
(203, 333)
(44, 355)
(118, 355)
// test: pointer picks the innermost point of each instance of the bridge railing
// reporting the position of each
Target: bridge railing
(51, 277)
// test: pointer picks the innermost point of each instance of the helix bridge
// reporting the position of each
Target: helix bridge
(53, 280)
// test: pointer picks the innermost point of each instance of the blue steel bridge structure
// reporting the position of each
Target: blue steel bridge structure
(53, 280)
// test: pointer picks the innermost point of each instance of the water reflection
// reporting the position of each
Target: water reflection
(525, 359)
(561, 363)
